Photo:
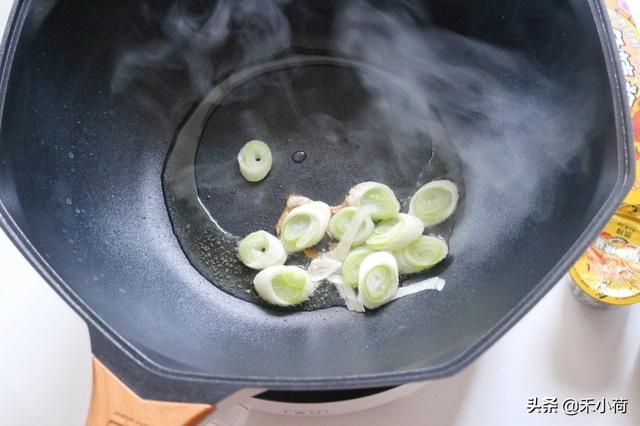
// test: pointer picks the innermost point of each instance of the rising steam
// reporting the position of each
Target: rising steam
(505, 119)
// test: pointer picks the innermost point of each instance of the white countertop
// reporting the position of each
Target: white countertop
(561, 349)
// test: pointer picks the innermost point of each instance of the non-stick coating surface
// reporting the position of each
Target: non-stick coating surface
(80, 177)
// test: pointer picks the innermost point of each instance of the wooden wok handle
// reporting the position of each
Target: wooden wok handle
(114, 404)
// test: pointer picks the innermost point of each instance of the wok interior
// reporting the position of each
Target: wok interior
(98, 89)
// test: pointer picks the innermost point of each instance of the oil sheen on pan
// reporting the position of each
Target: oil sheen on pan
(324, 118)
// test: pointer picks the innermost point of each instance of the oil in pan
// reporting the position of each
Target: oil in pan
(313, 112)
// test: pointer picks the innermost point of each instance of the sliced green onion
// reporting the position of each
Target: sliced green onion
(351, 265)
(293, 201)
(325, 266)
(328, 263)
(434, 202)
(377, 279)
(342, 249)
(283, 285)
(261, 249)
(435, 283)
(255, 160)
(341, 221)
(395, 234)
(322, 267)
(347, 293)
(305, 225)
(421, 254)
(378, 199)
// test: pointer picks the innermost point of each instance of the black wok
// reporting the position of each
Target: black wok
(521, 102)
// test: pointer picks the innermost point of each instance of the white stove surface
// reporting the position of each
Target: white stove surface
(561, 349)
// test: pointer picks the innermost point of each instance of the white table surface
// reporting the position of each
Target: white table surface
(560, 349)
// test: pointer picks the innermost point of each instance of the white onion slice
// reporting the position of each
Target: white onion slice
(378, 279)
(340, 222)
(378, 199)
(347, 293)
(435, 283)
(255, 160)
(305, 225)
(326, 264)
(322, 267)
(434, 202)
(351, 265)
(284, 285)
(341, 251)
(261, 249)
(421, 254)
(396, 233)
